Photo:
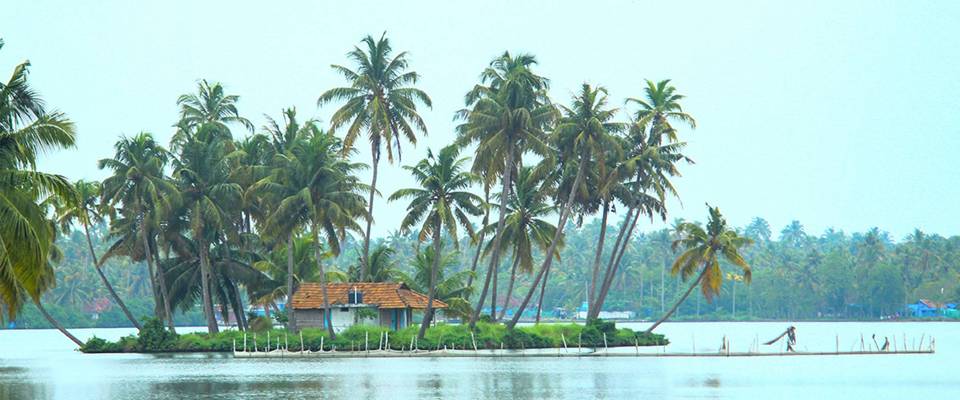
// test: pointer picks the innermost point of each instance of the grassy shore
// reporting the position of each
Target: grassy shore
(155, 339)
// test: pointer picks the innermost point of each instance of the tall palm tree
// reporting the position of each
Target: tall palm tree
(86, 211)
(26, 236)
(509, 112)
(441, 202)
(279, 184)
(139, 184)
(382, 101)
(209, 196)
(702, 250)
(651, 163)
(326, 197)
(525, 226)
(582, 137)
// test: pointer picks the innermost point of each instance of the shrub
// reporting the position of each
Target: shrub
(154, 337)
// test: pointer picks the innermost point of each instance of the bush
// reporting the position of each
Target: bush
(154, 337)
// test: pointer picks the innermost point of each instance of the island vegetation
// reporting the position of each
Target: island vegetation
(226, 214)
(596, 334)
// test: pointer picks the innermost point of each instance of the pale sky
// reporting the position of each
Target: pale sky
(842, 114)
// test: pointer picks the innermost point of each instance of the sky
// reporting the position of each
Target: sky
(836, 114)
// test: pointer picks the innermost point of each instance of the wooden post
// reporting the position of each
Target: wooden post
(861, 342)
(604, 342)
(564, 339)
(636, 343)
(411, 342)
(838, 344)
(254, 342)
(268, 342)
(387, 344)
(234, 345)
(923, 336)
(366, 341)
(301, 342)
(321, 344)
(244, 342)
(474, 340)
(579, 343)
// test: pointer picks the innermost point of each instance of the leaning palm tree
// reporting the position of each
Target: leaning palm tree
(139, 184)
(441, 202)
(382, 101)
(326, 199)
(450, 286)
(582, 137)
(702, 250)
(26, 236)
(86, 211)
(508, 115)
(525, 228)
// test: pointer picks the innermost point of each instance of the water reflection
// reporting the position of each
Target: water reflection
(51, 370)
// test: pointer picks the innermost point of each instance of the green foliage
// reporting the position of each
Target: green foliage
(360, 337)
(154, 337)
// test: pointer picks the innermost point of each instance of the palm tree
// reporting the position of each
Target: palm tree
(661, 105)
(382, 267)
(525, 226)
(210, 105)
(510, 111)
(279, 184)
(26, 236)
(86, 211)
(450, 287)
(325, 196)
(138, 183)
(382, 100)
(651, 163)
(581, 137)
(441, 202)
(702, 250)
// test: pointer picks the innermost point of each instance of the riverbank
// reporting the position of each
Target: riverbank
(155, 339)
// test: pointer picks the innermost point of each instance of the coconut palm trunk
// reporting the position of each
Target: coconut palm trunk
(205, 284)
(593, 312)
(291, 318)
(56, 324)
(680, 301)
(495, 255)
(365, 261)
(561, 223)
(513, 279)
(106, 283)
(543, 291)
(591, 296)
(614, 265)
(432, 290)
(159, 280)
(327, 320)
(476, 256)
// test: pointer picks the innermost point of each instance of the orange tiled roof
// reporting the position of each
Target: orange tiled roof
(383, 295)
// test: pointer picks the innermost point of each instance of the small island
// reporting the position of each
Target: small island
(154, 338)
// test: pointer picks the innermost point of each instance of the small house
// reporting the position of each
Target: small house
(924, 308)
(386, 304)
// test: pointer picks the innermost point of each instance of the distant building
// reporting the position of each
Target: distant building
(386, 304)
(582, 313)
(926, 308)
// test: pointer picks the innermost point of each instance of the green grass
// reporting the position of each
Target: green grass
(154, 338)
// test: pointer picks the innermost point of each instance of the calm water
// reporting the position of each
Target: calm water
(40, 364)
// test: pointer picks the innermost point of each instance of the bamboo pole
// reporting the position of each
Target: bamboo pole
(564, 339)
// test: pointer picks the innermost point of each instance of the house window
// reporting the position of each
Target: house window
(344, 309)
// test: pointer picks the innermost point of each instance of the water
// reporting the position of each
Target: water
(40, 364)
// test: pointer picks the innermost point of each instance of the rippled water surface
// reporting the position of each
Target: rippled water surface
(41, 364)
